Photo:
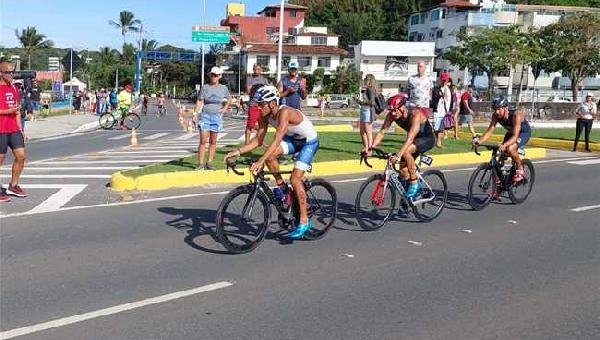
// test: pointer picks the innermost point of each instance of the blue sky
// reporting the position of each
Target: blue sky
(84, 24)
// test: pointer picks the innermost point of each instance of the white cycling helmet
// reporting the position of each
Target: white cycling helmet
(266, 93)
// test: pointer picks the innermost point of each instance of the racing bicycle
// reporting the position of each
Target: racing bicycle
(109, 119)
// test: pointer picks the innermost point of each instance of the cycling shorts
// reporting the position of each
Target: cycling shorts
(254, 114)
(521, 140)
(12, 140)
(425, 140)
(306, 151)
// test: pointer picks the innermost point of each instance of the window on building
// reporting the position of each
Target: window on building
(263, 59)
(285, 60)
(435, 15)
(420, 37)
(318, 40)
(293, 13)
(324, 62)
(270, 13)
(439, 34)
(292, 31)
(272, 30)
(412, 36)
(414, 19)
(423, 18)
(304, 61)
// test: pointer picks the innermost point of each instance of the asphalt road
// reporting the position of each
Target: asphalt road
(525, 272)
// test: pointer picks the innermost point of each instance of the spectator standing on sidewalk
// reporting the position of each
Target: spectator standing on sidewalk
(210, 106)
(585, 118)
(367, 111)
(253, 110)
(441, 104)
(292, 88)
(465, 111)
(11, 131)
(112, 99)
(420, 86)
(321, 105)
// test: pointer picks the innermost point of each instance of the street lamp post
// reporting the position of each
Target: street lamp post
(280, 48)
(71, 81)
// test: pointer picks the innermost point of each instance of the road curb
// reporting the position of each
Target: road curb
(543, 142)
(186, 179)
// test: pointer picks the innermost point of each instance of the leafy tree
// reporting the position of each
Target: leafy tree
(107, 56)
(149, 45)
(572, 45)
(31, 40)
(126, 23)
(128, 55)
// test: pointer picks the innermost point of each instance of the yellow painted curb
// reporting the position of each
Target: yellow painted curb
(327, 128)
(542, 142)
(186, 179)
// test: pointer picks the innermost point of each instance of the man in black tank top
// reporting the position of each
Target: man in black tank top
(419, 139)
(517, 135)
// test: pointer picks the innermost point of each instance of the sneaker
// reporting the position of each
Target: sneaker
(4, 197)
(518, 176)
(300, 230)
(413, 189)
(209, 166)
(16, 191)
(200, 167)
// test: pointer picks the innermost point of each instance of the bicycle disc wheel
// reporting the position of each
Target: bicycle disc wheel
(132, 121)
(374, 205)
(241, 234)
(434, 193)
(106, 120)
(321, 199)
(482, 186)
(518, 192)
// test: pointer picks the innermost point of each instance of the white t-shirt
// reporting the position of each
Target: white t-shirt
(419, 91)
(587, 110)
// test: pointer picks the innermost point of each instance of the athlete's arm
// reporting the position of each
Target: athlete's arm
(254, 143)
(282, 126)
(486, 135)
(389, 119)
(415, 123)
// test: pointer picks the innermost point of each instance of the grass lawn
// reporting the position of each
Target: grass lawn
(333, 146)
(552, 133)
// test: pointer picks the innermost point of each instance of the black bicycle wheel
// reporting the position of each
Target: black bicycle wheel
(482, 186)
(132, 121)
(518, 192)
(374, 205)
(321, 199)
(107, 121)
(434, 193)
(241, 234)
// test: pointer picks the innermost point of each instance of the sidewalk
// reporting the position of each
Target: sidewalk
(60, 125)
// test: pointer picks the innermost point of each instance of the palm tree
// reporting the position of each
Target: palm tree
(126, 23)
(31, 40)
(107, 56)
(128, 55)
(149, 45)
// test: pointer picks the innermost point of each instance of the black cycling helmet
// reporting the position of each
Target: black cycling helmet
(499, 101)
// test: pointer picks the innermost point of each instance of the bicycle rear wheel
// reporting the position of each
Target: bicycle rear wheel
(321, 199)
(482, 186)
(434, 194)
(374, 205)
(518, 192)
(238, 232)
(107, 121)
(132, 121)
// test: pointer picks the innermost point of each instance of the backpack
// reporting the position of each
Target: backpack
(379, 103)
(436, 95)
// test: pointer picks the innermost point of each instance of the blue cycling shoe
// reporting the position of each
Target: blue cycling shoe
(413, 189)
(300, 230)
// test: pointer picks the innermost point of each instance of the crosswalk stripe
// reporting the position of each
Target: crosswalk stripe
(119, 137)
(586, 162)
(156, 136)
(186, 136)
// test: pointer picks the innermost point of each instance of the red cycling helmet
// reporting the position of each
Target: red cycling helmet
(396, 101)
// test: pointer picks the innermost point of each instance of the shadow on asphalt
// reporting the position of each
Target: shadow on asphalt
(457, 201)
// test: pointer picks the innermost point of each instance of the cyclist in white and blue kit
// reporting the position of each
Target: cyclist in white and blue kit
(294, 134)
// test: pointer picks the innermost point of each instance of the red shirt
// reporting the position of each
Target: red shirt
(9, 97)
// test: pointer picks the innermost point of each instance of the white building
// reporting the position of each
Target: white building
(392, 62)
(439, 23)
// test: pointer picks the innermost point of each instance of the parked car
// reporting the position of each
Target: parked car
(557, 99)
(340, 102)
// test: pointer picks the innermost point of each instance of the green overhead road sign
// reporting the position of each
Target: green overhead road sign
(210, 34)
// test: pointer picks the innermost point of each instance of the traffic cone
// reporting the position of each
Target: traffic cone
(134, 140)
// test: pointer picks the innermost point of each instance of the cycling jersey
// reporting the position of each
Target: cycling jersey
(304, 130)
(124, 100)
(300, 139)
(508, 123)
(425, 138)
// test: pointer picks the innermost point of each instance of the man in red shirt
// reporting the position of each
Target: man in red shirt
(11, 131)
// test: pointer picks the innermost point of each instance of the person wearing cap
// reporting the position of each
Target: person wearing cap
(442, 105)
(211, 109)
(253, 82)
(419, 139)
(292, 88)
(585, 118)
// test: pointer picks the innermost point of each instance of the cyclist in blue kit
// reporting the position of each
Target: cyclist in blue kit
(294, 134)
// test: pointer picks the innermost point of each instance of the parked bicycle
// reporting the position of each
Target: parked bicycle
(243, 217)
(376, 197)
(491, 179)
(109, 119)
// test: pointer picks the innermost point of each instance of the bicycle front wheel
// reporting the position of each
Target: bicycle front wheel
(434, 193)
(518, 192)
(242, 220)
(107, 121)
(321, 201)
(482, 186)
(132, 121)
(374, 203)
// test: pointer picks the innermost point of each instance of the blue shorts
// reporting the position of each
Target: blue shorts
(210, 122)
(306, 151)
(366, 115)
(521, 140)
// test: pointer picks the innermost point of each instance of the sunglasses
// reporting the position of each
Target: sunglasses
(214, 75)
(8, 72)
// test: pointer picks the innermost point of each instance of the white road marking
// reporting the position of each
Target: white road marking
(171, 156)
(586, 208)
(149, 161)
(586, 162)
(560, 160)
(55, 201)
(120, 137)
(156, 136)
(350, 180)
(58, 176)
(186, 136)
(112, 310)
(137, 152)
(80, 168)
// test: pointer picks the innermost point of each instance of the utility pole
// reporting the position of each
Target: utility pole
(280, 48)
(203, 49)
(71, 81)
